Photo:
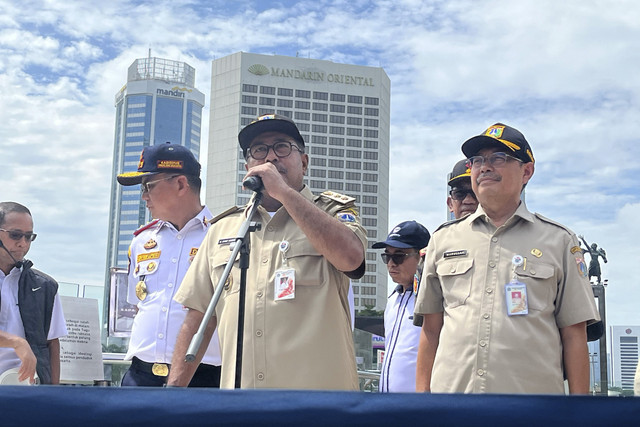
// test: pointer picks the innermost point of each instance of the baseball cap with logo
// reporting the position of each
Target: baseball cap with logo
(162, 158)
(459, 173)
(501, 136)
(408, 234)
(268, 123)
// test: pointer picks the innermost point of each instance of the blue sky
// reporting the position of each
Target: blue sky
(564, 73)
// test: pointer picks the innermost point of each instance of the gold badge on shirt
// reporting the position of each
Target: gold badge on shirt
(141, 290)
(150, 244)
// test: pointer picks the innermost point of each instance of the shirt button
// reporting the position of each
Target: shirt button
(258, 333)
(270, 228)
(532, 271)
(259, 294)
(480, 372)
(494, 239)
(170, 285)
(486, 315)
(489, 290)
(164, 309)
(160, 336)
(483, 343)
(492, 264)
(174, 260)
(453, 270)
(265, 260)
(260, 376)
(179, 236)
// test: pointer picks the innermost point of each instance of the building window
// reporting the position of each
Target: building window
(250, 88)
(267, 101)
(336, 152)
(249, 99)
(267, 90)
(335, 186)
(334, 108)
(370, 177)
(321, 151)
(353, 154)
(372, 234)
(353, 165)
(333, 163)
(305, 105)
(369, 222)
(336, 130)
(303, 93)
(320, 106)
(370, 200)
(318, 139)
(319, 128)
(303, 127)
(371, 144)
(336, 119)
(368, 210)
(352, 187)
(354, 143)
(321, 95)
(371, 101)
(354, 176)
(252, 111)
(318, 161)
(285, 103)
(300, 115)
(318, 173)
(354, 132)
(354, 110)
(370, 155)
(353, 99)
(318, 184)
(336, 174)
(370, 133)
(356, 121)
(368, 188)
(371, 122)
(266, 111)
(336, 140)
(245, 120)
(337, 97)
(285, 92)
(316, 117)
(371, 112)
(285, 113)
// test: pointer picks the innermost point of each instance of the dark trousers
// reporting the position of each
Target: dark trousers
(140, 375)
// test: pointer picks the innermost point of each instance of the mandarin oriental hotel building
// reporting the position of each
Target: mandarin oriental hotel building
(342, 112)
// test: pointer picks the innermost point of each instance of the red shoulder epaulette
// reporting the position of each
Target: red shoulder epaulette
(144, 227)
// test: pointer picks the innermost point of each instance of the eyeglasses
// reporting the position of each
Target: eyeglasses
(461, 194)
(17, 235)
(397, 258)
(496, 160)
(280, 148)
(146, 187)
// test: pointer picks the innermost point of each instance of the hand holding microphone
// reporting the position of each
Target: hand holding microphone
(253, 183)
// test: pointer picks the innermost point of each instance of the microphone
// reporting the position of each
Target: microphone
(18, 264)
(253, 183)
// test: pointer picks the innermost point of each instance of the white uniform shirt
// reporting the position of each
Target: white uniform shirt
(11, 322)
(162, 264)
(401, 339)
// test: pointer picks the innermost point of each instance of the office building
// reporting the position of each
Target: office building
(624, 355)
(342, 112)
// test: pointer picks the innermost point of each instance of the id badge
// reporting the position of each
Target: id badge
(285, 284)
(516, 294)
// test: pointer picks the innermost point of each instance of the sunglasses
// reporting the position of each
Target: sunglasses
(397, 258)
(461, 194)
(17, 235)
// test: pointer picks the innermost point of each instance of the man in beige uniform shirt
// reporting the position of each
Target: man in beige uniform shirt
(297, 335)
(504, 293)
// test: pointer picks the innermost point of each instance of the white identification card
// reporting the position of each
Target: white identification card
(285, 284)
(516, 294)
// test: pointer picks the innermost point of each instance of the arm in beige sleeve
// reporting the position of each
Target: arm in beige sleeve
(575, 355)
(181, 370)
(429, 340)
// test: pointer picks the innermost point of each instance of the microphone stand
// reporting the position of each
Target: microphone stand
(242, 246)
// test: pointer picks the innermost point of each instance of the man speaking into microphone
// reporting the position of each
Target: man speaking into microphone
(297, 332)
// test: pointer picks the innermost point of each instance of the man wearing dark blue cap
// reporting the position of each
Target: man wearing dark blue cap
(504, 293)
(403, 259)
(159, 257)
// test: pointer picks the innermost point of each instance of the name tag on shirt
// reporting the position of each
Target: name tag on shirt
(516, 294)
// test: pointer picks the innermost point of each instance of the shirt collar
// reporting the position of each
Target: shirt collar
(521, 212)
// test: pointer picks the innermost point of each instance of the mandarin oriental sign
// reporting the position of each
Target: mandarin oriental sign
(312, 75)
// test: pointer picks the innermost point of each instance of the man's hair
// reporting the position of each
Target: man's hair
(195, 183)
(9, 207)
